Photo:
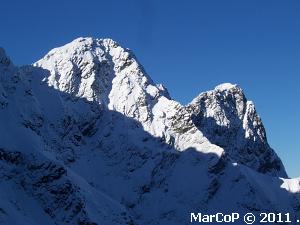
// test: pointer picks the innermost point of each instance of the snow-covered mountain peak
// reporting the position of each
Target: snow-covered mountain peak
(99, 70)
(229, 120)
(83, 45)
(223, 89)
(143, 158)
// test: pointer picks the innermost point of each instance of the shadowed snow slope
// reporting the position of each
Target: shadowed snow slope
(88, 138)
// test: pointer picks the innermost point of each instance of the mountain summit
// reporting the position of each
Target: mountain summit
(89, 138)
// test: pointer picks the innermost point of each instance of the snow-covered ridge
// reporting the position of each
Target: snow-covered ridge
(88, 138)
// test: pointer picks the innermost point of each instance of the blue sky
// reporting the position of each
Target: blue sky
(189, 46)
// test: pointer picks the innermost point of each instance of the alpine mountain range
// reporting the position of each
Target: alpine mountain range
(88, 138)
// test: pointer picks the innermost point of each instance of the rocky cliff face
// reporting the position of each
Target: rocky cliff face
(89, 138)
